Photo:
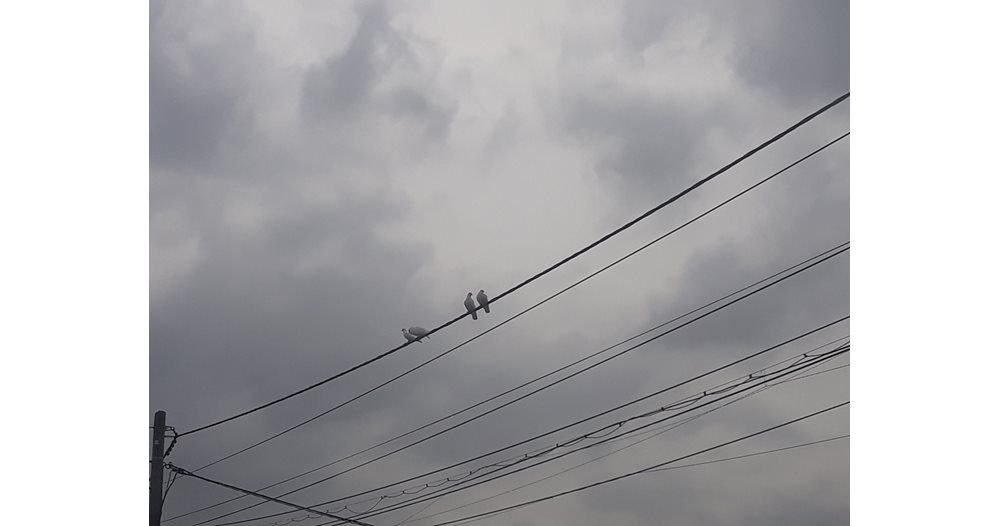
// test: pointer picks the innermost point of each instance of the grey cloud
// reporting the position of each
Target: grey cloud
(340, 90)
(194, 99)
(642, 143)
(645, 22)
(799, 51)
(292, 265)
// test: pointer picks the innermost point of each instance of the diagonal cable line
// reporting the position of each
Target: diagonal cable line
(614, 427)
(182, 471)
(567, 426)
(795, 369)
(556, 265)
(494, 474)
(544, 387)
(670, 468)
(560, 369)
(491, 329)
(656, 431)
(641, 471)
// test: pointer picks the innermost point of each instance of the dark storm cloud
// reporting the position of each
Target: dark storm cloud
(289, 266)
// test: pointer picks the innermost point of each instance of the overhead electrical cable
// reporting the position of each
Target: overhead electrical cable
(578, 422)
(538, 275)
(426, 362)
(802, 363)
(186, 473)
(668, 468)
(504, 322)
(637, 472)
(656, 431)
(544, 387)
(484, 478)
(542, 377)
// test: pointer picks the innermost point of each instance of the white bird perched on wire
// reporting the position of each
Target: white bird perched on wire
(410, 337)
(470, 305)
(484, 302)
(419, 332)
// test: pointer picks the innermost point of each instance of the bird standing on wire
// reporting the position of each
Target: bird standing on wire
(484, 302)
(419, 332)
(470, 305)
(410, 337)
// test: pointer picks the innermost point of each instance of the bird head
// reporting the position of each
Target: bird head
(481, 291)
(470, 294)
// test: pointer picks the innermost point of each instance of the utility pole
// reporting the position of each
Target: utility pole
(156, 469)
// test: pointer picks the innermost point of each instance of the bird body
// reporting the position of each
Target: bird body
(410, 337)
(470, 306)
(484, 302)
(419, 332)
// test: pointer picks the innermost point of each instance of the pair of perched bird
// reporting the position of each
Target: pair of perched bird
(415, 334)
(484, 303)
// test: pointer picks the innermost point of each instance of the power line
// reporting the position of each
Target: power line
(494, 475)
(656, 431)
(555, 371)
(641, 471)
(562, 428)
(565, 260)
(794, 368)
(614, 427)
(669, 468)
(757, 454)
(544, 387)
(413, 369)
(182, 471)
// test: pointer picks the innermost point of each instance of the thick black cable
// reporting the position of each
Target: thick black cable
(560, 263)
(184, 472)
(494, 475)
(596, 434)
(567, 426)
(426, 362)
(641, 471)
(544, 387)
(560, 369)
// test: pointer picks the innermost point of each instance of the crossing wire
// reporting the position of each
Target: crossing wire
(491, 329)
(494, 474)
(567, 426)
(797, 368)
(542, 377)
(638, 472)
(538, 275)
(544, 387)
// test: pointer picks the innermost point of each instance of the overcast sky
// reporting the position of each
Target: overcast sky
(323, 174)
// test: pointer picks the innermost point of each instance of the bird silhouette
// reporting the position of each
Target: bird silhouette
(419, 332)
(470, 306)
(410, 337)
(484, 302)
